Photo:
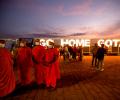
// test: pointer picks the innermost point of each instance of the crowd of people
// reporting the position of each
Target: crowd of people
(43, 60)
(75, 53)
(71, 52)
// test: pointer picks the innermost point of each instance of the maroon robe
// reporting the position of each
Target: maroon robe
(38, 53)
(24, 64)
(7, 77)
(52, 69)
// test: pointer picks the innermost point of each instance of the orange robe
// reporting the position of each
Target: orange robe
(24, 64)
(38, 53)
(7, 77)
(52, 70)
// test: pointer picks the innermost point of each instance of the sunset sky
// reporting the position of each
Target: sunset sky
(97, 18)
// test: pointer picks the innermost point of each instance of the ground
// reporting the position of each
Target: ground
(79, 82)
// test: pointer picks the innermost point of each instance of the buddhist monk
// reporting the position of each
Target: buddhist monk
(7, 77)
(24, 63)
(52, 66)
(38, 53)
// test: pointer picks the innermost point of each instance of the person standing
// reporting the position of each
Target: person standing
(52, 66)
(74, 52)
(70, 49)
(100, 56)
(7, 77)
(80, 53)
(66, 53)
(38, 53)
(24, 63)
(94, 55)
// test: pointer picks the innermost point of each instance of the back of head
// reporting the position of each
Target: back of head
(96, 44)
(2, 43)
(23, 43)
(51, 44)
(37, 42)
(102, 45)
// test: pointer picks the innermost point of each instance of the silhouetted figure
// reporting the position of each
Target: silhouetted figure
(74, 52)
(80, 53)
(70, 49)
(100, 56)
(94, 55)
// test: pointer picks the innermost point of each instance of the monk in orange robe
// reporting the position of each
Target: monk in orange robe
(7, 77)
(38, 53)
(24, 63)
(52, 66)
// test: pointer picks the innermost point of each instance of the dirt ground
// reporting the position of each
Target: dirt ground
(78, 82)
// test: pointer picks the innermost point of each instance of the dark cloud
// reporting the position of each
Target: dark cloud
(49, 29)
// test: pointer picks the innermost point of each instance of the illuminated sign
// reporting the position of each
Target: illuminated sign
(45, 42)
(109, 42)
(83, 42)
(77, 42)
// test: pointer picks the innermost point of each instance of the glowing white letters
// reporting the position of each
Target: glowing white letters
(116, 42)
(64, 42)
(77, 42)
(100, 42)
(42, 42)
(45, 42)
(87, 43)
(49, 40)
(80, 42)
(109, 42)
(83, 42)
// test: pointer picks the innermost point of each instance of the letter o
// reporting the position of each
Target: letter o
(100, 42)
(108, 43)
(71, 42)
